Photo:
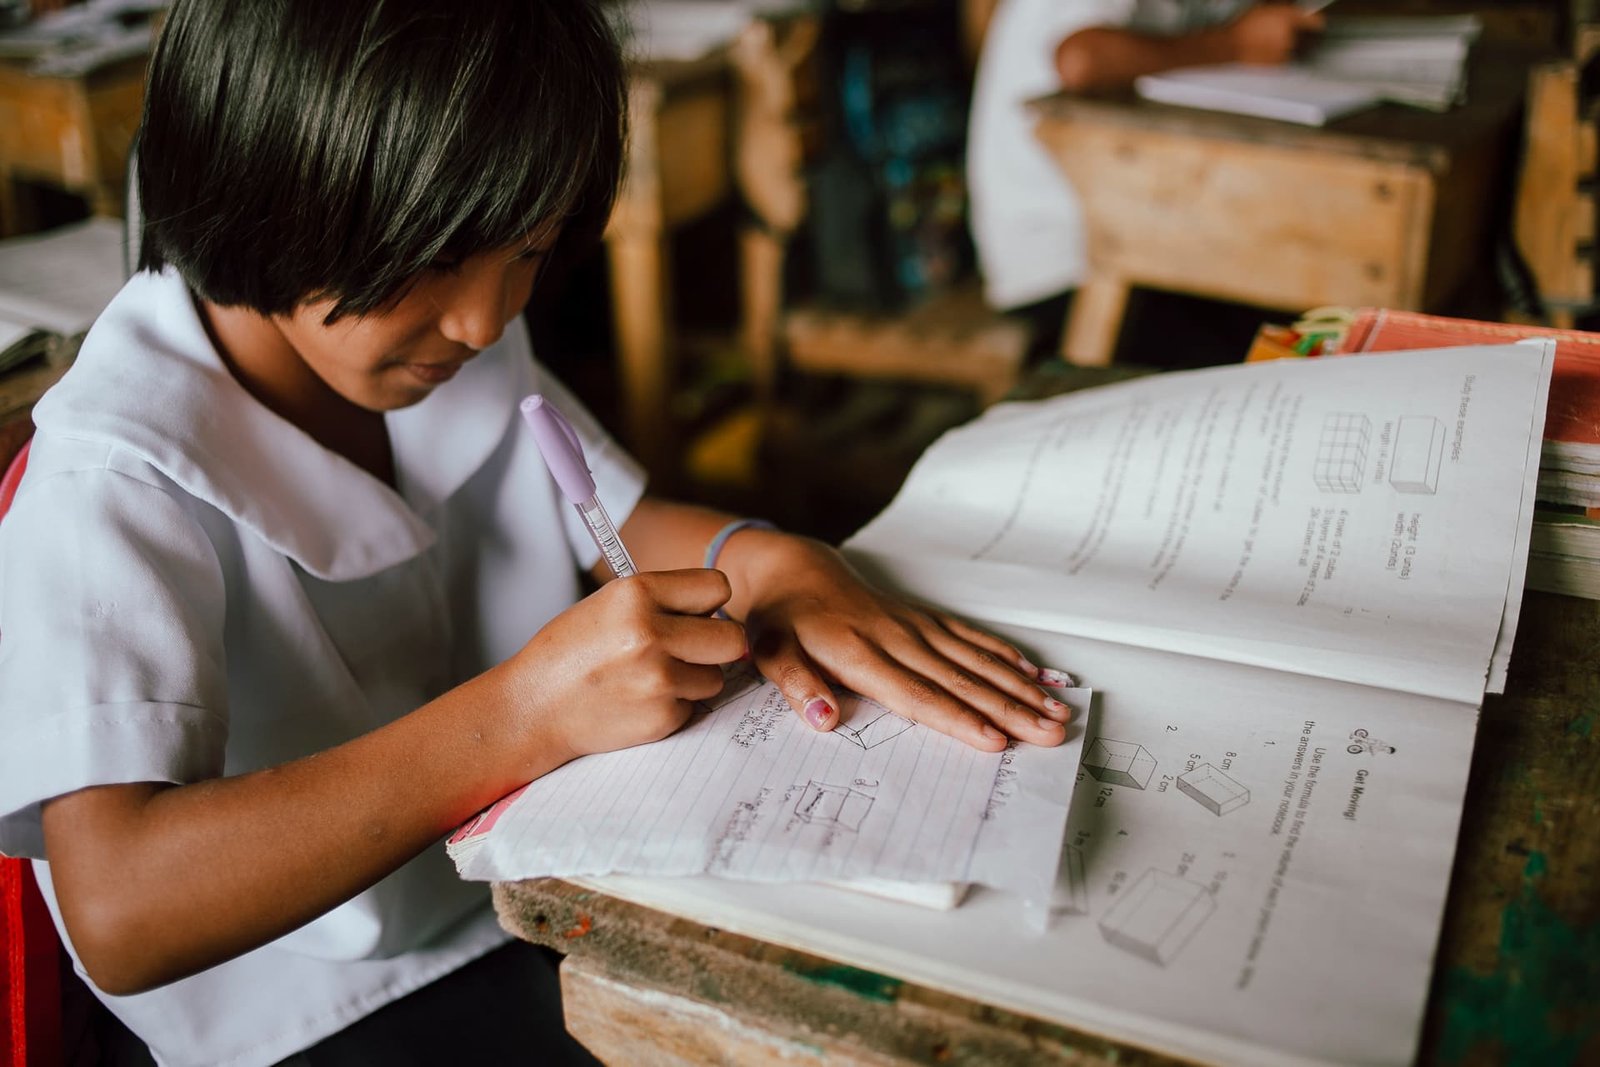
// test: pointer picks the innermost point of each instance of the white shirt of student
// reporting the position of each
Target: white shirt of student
(1026, 222)
(192, 587)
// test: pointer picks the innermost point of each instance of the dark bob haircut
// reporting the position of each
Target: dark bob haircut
(295, 150)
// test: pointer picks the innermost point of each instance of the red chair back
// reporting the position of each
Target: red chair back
(30, 951)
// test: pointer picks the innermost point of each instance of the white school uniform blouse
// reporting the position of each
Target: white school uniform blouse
(192, 587)
(1025, 219)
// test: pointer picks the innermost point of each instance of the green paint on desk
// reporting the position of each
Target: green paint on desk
(1582, 724)
(1546, 971)
(862, 983)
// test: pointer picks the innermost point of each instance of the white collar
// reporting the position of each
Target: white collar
(148, 380)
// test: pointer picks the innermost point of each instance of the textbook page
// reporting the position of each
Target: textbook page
(1254, 870)
(748, 791)
(1362, 518)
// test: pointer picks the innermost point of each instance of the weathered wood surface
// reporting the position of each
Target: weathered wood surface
(73, 133)
(1517, 979)
(1390, 133)
(1387, 208)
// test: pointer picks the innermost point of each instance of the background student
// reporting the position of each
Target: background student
(1025, 219)
(287, 592)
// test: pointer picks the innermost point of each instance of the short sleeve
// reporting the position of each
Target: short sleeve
(112, 669)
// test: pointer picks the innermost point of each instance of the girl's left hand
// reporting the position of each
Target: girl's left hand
(812, 622)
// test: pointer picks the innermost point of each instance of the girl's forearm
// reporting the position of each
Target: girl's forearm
(157, 881)
(1109, 58)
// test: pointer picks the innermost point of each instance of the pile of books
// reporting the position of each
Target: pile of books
(1564, 555)
(53, 285)
(1356, 63)
(1420, 61)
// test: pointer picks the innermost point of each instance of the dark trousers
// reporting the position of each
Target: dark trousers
(504, 1008)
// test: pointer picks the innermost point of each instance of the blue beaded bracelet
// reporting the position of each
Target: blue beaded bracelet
(714, 549)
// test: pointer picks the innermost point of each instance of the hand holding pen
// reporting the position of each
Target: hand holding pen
(645, 647)
(627, 664)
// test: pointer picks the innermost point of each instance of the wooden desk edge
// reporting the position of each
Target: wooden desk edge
(809, 1001)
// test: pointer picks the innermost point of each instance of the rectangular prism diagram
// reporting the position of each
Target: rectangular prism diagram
(1157, 915)
(1418, 454)
(1213, 789)
(1119, 762)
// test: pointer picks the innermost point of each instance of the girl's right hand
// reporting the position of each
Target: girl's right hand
(626, 664)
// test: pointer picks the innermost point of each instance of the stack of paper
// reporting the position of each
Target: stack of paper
(83, 37)
(53, 285)
(1420, 61)
(747, 791)
(1356, 64)
(1565, 554)
(1288, 93)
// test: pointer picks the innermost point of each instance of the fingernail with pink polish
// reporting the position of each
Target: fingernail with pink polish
(1027, 668)
(1057, 679)
(1057, 707)
(818, 712)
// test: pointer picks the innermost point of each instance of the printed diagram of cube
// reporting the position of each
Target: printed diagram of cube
(1213, 790)
(1418, 454)
(1342, 452)
(833, 805)
(1119, 763)
(1156, 916)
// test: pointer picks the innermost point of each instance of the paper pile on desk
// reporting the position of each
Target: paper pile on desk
(747, 791)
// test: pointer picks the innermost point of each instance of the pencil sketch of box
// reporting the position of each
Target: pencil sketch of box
(1157, 915)
(1213, 790)
(1119, 763)
(1418, 454)
(833, 805)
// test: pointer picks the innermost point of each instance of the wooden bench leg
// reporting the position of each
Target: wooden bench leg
(761, 296)
(1090, 338)
(640, 290)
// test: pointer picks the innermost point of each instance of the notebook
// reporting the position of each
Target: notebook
(1287, 94)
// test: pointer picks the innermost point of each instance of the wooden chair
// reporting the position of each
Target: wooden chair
(1554, 218)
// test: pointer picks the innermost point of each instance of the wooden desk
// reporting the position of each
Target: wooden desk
(70, 132)
(1518, 966)
(1391, 207)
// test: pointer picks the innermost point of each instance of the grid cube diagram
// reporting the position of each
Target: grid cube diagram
(1155, 917)
(1213, 790)
(1119, 763)
(1342, 452)
(1418, 454)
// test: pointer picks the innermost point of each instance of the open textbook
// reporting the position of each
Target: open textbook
(1290, 585)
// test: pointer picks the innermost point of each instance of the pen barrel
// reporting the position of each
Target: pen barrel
(606, 538)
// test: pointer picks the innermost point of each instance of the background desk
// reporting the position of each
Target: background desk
(69, 132)
(1391, 207)
(1517, 978)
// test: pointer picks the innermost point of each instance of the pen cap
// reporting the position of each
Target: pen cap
(558, 443)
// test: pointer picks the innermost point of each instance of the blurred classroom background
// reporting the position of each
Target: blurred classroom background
(786, 309)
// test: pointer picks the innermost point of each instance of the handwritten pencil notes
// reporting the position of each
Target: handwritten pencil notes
(748, 791)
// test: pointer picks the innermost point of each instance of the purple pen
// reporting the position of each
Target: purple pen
(563, 454)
